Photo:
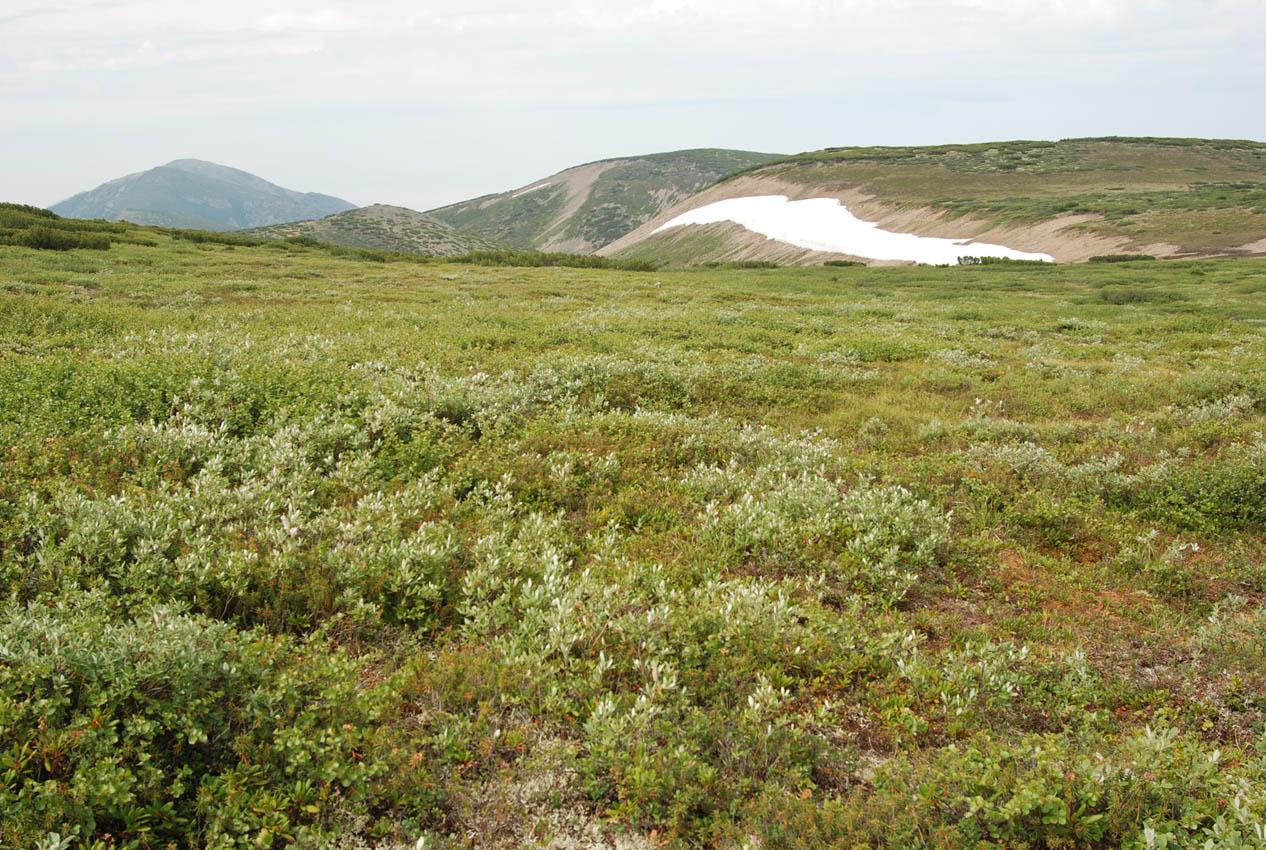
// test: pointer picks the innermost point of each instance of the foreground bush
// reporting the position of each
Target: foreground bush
(164, 727)
(1155, 788)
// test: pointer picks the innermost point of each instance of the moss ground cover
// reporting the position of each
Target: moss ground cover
(307, 550)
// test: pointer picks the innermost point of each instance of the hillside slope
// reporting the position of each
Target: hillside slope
(584, 208)
(385, 228)
(1070, 199)
(194, 193)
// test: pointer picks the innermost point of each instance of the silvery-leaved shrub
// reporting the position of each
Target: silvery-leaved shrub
(876, 540)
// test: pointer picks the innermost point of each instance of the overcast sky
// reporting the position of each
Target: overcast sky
(426, 103)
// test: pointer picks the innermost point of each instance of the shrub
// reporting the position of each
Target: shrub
(1154, 788)
(537, 259)
(9, 209)
(1137, 295)
(875, 541)
(1000, 261)
(164, 726)
(208, 236)
(1120, 258)
(742, 264)
(54, 239)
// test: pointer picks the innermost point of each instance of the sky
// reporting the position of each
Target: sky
(423, 103)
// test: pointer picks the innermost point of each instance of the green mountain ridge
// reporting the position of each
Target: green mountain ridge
(586, 207)
(383, 227)
(198, 194)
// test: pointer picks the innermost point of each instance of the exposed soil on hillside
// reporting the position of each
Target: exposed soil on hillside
(1065, 238)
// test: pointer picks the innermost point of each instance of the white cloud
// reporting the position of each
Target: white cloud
(727, 72)
(320, 20)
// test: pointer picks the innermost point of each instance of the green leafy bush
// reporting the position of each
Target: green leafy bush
(1155, 788)
(999, 261)
(539, 259)
(11, 214)
(1137, 295)
(54, 239)
(211, 237)
(741, 264)
(1120, 258)
(164, 726)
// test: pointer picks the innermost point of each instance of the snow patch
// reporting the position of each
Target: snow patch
(825, 224)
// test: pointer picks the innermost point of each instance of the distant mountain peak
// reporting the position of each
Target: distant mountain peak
(201, 194)
(190, 163)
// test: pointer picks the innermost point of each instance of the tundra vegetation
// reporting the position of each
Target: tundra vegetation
(320, 550)
(383, 228)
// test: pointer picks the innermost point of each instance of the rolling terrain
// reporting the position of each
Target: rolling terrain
(1071, 199)
(310, 546)
(582, 209)
(384, 228)
(196, 194)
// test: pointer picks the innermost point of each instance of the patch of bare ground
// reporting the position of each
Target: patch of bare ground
(539, 805)
(578, 183)
(1254, 249)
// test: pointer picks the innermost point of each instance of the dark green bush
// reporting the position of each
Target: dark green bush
(1137, 295)
(1042, 792)
(205, 236)
(55, 239)
(155, 729)
(1229, 493)
(25, 210)
(741, 264)
(843, 263)
(359, 253)
(999, 261)
(537, 259)
(1120, 258)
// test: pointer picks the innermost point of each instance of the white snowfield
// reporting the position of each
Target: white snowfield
(824, 224)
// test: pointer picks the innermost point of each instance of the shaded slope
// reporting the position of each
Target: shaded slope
(584, 208)
(194, 193)
(385, 228)
(1071, 199)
